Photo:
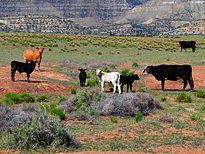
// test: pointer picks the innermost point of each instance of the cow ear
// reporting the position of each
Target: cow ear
(37, 47)
(79, 69)
(84, 69)
(44, 48)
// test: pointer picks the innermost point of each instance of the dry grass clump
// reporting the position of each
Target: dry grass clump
(127, 104)
(30, 128)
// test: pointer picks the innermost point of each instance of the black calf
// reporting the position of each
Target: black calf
(22, 67)
(82, 77)
(128, 80)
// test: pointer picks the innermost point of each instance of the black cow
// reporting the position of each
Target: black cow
(187, 44)
(171, 72)
(22, 67)
(82, 77)
(128, 80)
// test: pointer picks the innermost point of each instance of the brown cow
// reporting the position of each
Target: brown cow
(33, 55)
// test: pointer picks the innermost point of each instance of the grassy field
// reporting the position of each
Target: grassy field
(185, 130)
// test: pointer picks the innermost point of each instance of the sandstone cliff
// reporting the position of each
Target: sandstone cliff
(84, 12)
(166, 12)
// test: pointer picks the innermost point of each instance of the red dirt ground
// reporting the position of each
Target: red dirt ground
(39, 84)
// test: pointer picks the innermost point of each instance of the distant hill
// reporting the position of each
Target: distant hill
(84, 12)
(108, 16)
(166, 13)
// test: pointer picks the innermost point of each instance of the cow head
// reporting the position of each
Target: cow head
(147, 70)
(136, 77)
(40, 49)
(82, 70)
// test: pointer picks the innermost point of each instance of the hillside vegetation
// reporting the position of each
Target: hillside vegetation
(64, 117)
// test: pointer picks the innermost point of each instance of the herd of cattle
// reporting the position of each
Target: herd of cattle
(160, 72)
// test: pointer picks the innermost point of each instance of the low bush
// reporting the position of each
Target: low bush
(127, 72)
(41, 132)
(195, 117)
(200, 93)
(42, 98)
(11, 98)
(113, 119)
(163, 99)
(141, 90)
(73, 91)
(182, 97)
(28, 98)
(135, 64)
(61, 99)
(138, 117)
(58, 112)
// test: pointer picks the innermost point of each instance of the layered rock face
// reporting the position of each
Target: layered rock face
(84, 12)
(169, 12)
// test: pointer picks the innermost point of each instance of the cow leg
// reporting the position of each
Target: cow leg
(162, 83)
(185, 84)
(28, 76)
(13, 74)
(119, 88)
(181, 49)
(193, 49)
(127, 87)
(191, 83)
(102, 85)
(122, 88)
(130, 87)
(114, 87)
(185, 49)
(39, 65)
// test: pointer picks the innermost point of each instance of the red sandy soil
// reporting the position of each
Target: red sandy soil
(39, 84)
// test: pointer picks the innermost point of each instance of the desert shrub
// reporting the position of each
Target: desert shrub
(127, 72)
(141, 90)
(165, 119)
(138, 117)
(40, 132)
(58, 112)
(73, 91)
(135, 64)
(86, 98)
(88, 75)
(93, 72)
(53, 105)
(106, 69)
(93, 82)
(99, 53)
(195, 117)
(61, 99)
(25, 97)
(200, 93)
(202, 109)
(113, 119)
(163, 99)
(178, 124)
(112, 66)
(42, 98)
(182, 97)
(126, 104)
(11, 98)
(55, 45)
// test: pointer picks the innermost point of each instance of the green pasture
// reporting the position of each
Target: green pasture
(149, 135)
(87, 49)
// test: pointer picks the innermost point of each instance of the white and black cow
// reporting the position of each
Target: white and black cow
(112, 77)
(187, 44)
(171, 72)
